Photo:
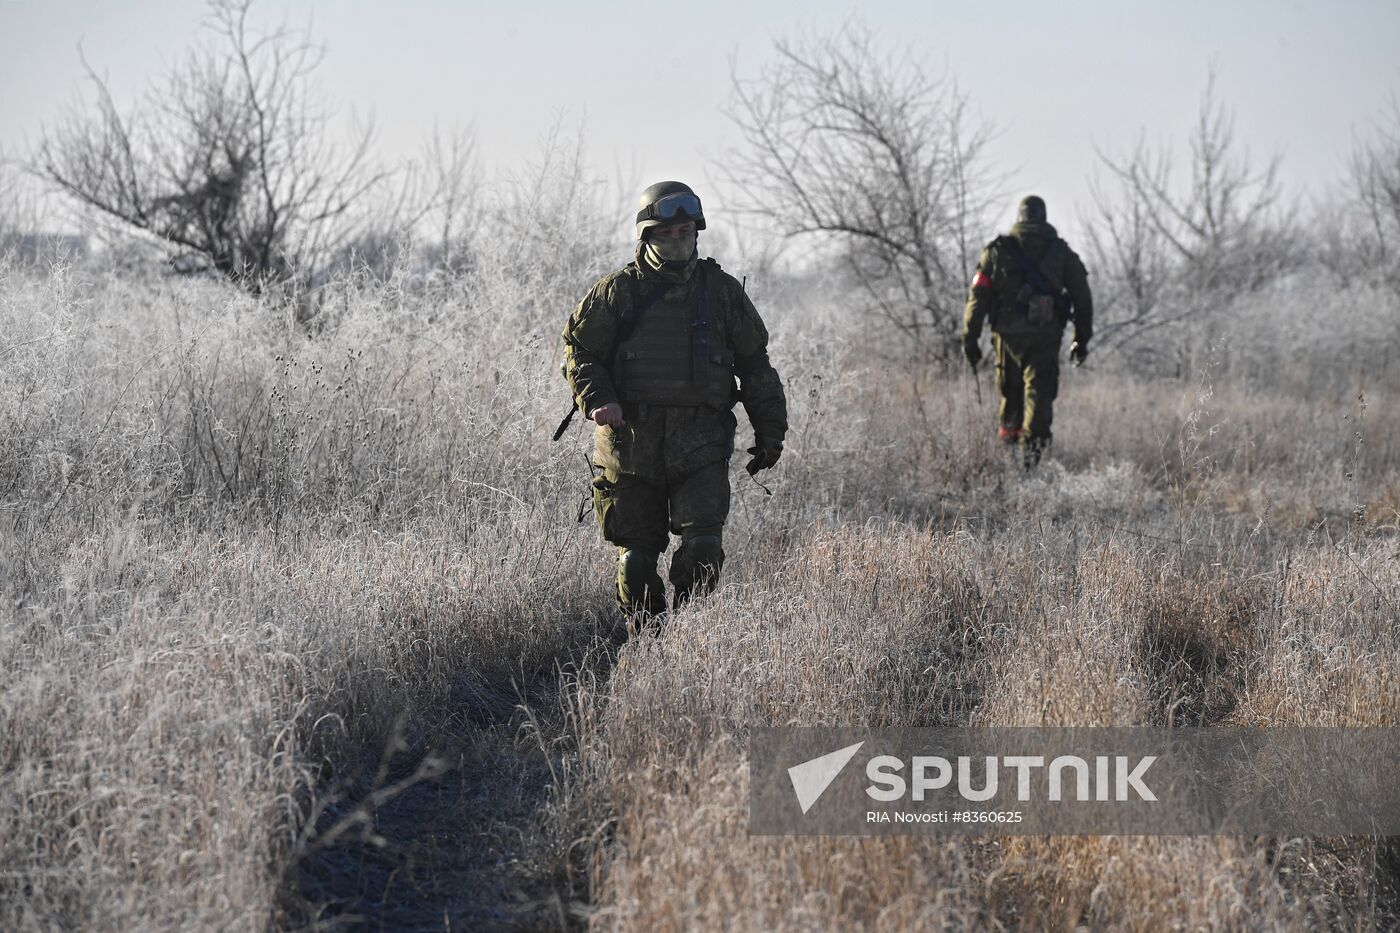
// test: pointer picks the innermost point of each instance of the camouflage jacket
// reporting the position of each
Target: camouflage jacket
(591, 339)
(997, 294)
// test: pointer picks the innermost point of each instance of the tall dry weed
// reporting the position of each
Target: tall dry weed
(260, 583)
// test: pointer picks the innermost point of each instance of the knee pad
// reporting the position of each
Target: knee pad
(639, 586)
(706, 549)
(700, 556)
(636, 563)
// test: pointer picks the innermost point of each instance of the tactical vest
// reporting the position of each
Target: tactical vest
(676, 353)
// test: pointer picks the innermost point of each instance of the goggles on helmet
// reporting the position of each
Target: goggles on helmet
(681, 205)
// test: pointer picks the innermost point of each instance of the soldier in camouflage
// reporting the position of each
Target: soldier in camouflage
(1029, 285)
(651, 355)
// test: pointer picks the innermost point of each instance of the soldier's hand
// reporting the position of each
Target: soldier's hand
(766, 452)
(973, 352)
(1078, 352)
(609, 414)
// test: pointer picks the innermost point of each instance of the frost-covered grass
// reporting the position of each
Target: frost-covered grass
(237, 558)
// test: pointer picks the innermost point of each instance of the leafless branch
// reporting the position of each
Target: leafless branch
(852, 147)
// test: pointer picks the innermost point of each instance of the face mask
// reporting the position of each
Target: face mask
(673, 249)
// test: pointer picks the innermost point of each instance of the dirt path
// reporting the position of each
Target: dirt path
(451, 834)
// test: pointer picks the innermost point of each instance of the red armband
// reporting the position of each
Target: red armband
(980, 280)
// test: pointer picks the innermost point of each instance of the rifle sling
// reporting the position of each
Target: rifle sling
(1031, 270)
(626, 325)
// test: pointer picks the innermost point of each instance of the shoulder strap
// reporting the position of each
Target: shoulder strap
(700, 323)
(640, 305)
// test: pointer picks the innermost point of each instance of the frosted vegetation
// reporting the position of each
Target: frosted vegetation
(263, 582)
(299, 625)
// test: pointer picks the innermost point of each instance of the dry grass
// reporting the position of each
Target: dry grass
(892, 625)
(273, 602)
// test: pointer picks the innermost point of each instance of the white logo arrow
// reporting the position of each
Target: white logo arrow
(811, 778)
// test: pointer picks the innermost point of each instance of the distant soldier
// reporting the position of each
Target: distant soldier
(651, 355)
(1029, 285)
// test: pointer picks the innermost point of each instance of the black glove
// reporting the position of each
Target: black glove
(766, 452)
(972, 351)
(1079, 352)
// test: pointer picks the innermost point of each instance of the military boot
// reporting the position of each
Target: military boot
(1032, 450)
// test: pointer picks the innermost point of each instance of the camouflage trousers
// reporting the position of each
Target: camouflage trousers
(665, 472)
(639, 516)
(1028, 378)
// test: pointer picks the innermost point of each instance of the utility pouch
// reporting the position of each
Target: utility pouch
(1040, 311)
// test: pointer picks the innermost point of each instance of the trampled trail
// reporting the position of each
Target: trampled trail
(448, 835)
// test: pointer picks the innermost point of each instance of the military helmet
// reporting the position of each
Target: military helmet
(668, 202)
(1031, 210)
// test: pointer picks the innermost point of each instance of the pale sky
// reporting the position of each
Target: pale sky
(647, 78)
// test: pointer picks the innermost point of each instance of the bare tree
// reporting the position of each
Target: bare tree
(1365, 241)
(1170, 252)
(1132, 265)
(863, 150)
(11, 200)
(426, 220)
(453, 178)
(230, 159)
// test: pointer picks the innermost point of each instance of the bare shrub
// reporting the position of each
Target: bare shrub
(1173, 252)
(231, 160)
(852, 148)
(553, 228)
(453, 215)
